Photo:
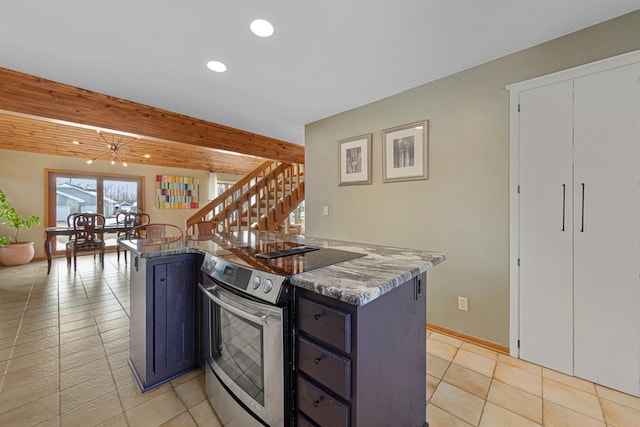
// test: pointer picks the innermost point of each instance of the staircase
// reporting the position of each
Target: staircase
(262, 200)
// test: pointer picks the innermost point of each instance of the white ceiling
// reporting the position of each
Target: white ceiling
(326, 56)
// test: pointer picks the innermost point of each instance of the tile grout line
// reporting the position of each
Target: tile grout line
(15, 340)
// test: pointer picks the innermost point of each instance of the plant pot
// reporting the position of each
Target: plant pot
(17, 253)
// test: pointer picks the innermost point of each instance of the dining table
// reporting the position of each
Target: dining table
(52, 232)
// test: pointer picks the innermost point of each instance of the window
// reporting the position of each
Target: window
(72, 192)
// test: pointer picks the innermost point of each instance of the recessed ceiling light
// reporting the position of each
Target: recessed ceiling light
(216, 66)
(261, 28)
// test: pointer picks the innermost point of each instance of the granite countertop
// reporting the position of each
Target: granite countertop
(358, 281)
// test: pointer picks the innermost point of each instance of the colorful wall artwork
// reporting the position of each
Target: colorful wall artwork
(177, 192)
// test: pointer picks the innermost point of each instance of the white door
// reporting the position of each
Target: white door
(607, 228)
(545, 252)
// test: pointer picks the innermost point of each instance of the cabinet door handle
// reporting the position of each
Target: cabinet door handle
(564, 202)
(317, 316)
(318, 359)
(317, 402)
(582, 225)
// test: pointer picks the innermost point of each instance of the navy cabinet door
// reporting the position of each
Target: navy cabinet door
(173, 336)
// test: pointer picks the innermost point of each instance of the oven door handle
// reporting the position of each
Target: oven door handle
(263, 318)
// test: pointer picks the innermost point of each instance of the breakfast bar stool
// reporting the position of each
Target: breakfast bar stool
(129, 221)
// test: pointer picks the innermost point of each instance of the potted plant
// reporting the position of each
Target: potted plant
(13, 252)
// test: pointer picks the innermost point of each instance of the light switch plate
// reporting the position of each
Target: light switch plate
(325, 210)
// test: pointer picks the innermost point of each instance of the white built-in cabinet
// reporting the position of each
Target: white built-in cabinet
(575, 221)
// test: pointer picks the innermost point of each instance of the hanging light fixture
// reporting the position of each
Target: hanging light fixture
(114, 145)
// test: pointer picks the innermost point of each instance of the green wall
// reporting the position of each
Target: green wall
(463, 208)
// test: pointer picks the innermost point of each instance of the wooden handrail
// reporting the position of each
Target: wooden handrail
(273, 191)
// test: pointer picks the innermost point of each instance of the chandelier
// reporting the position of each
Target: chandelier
(114, 149)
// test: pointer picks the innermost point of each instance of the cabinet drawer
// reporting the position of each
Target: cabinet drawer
(325, 323)
(320, 407)
(302, 421)
(327, 367)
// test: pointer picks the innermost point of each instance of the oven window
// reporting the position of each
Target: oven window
(240, 353)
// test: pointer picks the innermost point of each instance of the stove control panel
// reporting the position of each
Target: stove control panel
(259, 284)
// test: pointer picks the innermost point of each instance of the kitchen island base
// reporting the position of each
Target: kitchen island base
(362, 365)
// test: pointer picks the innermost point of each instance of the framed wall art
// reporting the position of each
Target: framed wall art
(405, 152)
(177, 192)
(355, 160)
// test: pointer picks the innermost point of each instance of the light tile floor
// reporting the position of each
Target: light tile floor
(64, 349)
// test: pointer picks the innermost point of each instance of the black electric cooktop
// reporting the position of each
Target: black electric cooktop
(275, 254)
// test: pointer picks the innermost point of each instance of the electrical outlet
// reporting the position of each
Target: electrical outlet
(463, 303)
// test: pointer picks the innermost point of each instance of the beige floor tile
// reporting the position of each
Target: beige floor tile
(114, 334)
(156, 411)
(437, 417)
(436, 366)
(112, 315)
(520, 364)
(31, 324)
(5, 354)
(131, 396)
(36, 345)
(192, 392)
(113, 324)
(441, 349)
(32, 359)
(182, 420)
(83, 373)
(84, 392)
(123, 376)
(516, 400)
(204, 416)
(117, 421)
(618, 415)
(12, 397)
(51, 422)
(68, 337)
(77, 324)
(619, 397)
(187, 377)
(475, 362)
(93, 413)
(36, 335)
(565, 379)
(558, 416)
(7, 342)
(579, 401)
(467, 380)
(75, 317)
(489, 354)
(118, 360)
(458, 402)
(432, 384)
(80, 345)
(518, 378)
(117, 346)
(446, 338)
(32, 413)
(75, 309)
(23, 376)
(496, 416)
(81, 358)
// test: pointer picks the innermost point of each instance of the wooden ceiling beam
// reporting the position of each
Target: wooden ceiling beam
(34, 96)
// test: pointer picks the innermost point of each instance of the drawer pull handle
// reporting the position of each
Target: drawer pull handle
(318, 359)
(317, 316)
(317, 402)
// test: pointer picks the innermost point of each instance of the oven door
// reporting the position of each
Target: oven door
(244, 353)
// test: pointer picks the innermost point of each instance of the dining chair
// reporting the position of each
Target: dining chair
(204, 228)
(129, 221)
(87, 236)
(155, 234)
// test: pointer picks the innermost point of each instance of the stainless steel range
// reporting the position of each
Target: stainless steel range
(247, 323)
